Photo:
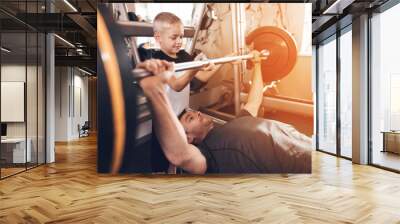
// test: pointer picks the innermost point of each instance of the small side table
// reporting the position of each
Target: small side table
(391, 141)
(14, 150)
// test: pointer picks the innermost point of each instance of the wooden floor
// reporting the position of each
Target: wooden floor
(70, 191)
(10, 171)
(5, 172)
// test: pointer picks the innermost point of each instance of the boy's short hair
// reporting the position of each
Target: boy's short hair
(164, 18)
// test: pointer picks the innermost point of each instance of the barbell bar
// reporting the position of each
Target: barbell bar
(142, 73)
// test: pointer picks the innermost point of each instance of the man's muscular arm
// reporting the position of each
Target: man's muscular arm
(255, 96)
(169, 131)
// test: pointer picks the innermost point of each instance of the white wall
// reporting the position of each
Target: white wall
(16, 73)
(9, 73)
(33, 127)
(71, 94)
(62, 77)
(80, 94)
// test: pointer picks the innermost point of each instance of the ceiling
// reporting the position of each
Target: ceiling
(72, 20)
(75, 21)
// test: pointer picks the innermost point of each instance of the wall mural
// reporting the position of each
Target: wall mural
(269, 132)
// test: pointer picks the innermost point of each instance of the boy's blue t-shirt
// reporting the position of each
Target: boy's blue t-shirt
(182, 56)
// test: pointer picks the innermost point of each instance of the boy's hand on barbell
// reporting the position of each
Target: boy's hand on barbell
(207, 67)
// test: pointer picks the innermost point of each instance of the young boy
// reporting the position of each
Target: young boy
(168, 33)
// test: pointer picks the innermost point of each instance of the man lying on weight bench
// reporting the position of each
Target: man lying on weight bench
(246, 144)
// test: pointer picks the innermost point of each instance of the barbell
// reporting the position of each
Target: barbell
(276, 45)
(117, 99)
(142, 73)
